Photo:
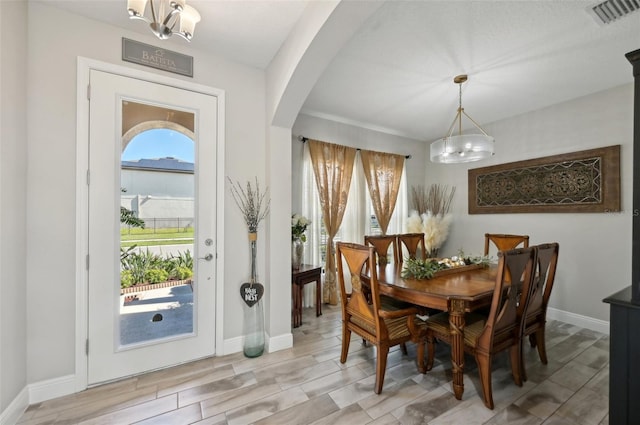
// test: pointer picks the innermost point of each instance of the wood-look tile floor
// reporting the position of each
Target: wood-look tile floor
(307, 384)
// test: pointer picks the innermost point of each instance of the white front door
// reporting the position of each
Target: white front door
(141, 331)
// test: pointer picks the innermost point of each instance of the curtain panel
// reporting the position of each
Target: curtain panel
(311, 209)
(333, 168)
(356, 221)
(383, 172)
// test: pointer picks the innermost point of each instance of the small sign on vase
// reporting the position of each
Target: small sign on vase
(251, 293)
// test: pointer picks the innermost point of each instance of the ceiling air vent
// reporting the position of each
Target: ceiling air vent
(610, 10)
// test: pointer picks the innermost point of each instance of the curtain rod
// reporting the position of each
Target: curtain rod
(304, 139)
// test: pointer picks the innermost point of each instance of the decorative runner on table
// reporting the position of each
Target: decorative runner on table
(433, 267)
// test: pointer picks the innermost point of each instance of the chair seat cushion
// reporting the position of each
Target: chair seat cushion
(396, 328)
(474, 324)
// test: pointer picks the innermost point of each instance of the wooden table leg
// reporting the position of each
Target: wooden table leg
(456, 326)
(294, 306)
(297, 313)
(318, 297)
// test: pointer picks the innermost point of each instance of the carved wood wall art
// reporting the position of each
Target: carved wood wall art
(585, 181)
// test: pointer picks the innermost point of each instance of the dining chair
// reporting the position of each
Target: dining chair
(484, 336)
(380, 326)
(504, 242)
(381, 245)
(536, 310)
(413, 243)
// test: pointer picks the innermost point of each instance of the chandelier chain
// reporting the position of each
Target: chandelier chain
(460, 108)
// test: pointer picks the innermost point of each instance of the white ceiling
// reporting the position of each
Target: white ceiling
(245, 31)
(397, 73)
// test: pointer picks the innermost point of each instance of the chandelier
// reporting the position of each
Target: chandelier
(164, 15)
(463, 147)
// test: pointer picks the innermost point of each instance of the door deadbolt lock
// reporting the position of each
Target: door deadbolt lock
(208, 242)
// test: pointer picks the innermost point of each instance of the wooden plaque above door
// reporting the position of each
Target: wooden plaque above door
(585, 181)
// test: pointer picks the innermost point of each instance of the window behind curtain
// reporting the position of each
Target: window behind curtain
(359, 219)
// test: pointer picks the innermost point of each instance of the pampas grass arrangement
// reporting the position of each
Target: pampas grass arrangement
(431, 215)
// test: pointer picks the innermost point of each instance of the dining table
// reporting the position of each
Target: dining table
(456, 290)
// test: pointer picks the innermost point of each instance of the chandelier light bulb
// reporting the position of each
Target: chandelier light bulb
(163, 16)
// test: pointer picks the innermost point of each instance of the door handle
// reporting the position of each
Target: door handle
(207, 257)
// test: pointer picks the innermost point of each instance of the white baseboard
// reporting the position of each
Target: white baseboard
(16, 408)
(232, 345)
(52, 388)
(586, 322)
(280, 342)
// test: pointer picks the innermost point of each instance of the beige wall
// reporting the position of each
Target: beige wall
(13, 185)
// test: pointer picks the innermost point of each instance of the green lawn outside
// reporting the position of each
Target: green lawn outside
(149, 237)
(156, 242)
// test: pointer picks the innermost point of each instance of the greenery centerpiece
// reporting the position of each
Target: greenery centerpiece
(427, 269)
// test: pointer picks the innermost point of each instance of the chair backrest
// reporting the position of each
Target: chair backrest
(510, 299)
(381, 245)
(543, 280)
(414, 244)
(504, 242)
(358, 258)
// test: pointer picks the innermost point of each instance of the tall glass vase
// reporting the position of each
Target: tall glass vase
(253, 325)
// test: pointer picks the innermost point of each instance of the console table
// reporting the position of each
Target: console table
(624, 348)
(307, 273)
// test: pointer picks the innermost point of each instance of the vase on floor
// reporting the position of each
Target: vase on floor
(297, 253)
(253, 324)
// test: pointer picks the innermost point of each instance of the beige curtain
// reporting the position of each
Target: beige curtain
(333, 167)
(383, 172)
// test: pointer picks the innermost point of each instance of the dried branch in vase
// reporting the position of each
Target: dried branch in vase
(437, 199)
(419, 199)
(251, 203)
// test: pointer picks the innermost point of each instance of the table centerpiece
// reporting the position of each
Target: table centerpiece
(432, 267)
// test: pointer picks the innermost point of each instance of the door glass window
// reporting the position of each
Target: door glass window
(157, 225)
